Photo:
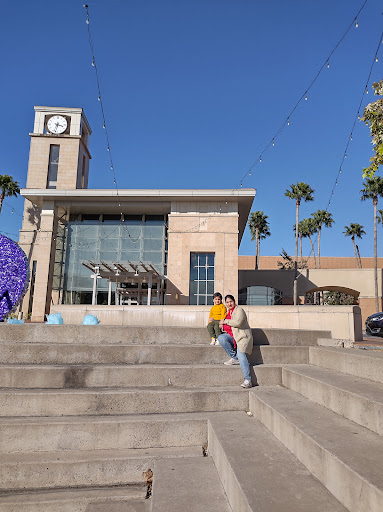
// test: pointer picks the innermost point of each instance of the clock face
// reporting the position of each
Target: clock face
(57, 124)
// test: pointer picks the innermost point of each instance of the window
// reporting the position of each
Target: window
(201, 278)
(83, 172)
(53, 166)
(260, 296)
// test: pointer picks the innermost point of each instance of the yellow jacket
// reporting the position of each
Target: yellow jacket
(218, 312)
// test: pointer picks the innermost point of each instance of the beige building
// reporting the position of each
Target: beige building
(119, 246)
(149, 247)
(336, 274)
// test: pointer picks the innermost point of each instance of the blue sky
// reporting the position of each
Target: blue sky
(193, 91)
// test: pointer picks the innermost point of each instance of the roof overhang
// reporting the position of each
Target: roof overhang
(140, 200)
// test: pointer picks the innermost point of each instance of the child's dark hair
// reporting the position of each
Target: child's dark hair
(217, 294)
(230, 297)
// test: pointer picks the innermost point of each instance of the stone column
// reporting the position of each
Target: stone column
(46, 246)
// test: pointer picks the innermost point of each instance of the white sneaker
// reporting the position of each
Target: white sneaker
(247, 384)
(213, 341)
(231, 361)
(217, 342)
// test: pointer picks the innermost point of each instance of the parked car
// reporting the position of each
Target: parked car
(374, 324)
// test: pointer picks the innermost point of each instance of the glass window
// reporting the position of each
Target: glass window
(201, 278)
(106, 237)
(54, 154)
(260, 296)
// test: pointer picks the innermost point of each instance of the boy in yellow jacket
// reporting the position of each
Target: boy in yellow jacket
(217, 313)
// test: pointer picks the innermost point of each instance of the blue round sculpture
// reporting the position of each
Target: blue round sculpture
(14, 275)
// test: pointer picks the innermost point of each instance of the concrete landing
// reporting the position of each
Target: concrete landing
(259, 474)
(188, 485)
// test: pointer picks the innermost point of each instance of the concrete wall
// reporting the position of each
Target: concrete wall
(198, 226)
(362, 281)
(344, 322)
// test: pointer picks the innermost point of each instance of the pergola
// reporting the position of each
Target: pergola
(131, 272)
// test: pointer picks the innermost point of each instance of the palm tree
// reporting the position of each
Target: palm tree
(322, 218)
(259, 229)
(298, 192)
(373, 188)
(307, 229)
(355, 230)
(8, 188)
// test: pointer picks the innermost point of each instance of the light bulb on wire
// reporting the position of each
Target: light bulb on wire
(288, 122)
(356, 24)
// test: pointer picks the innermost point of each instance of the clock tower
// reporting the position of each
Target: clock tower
(58, 161)
(59, 153)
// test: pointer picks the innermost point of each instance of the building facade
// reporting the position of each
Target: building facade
(119, 246)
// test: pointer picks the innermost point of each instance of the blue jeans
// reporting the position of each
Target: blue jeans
(227, 343)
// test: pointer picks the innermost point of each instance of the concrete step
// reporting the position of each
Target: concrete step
(185, 335)
(50, 470)
(357, 399)
(115, 499)
(23, 435)
(189, 484)
(259, 474)
(353, 361)
(345, 457)
(95, 376)
(86, 402)
(102, 334)
(62, 354)
(288, 337)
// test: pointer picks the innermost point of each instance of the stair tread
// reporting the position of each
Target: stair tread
(188, 484)
(354, 445)
(37, 366)
(271, 478)
(120, 390)
(123, 492)
(91, 419)
(356, 385)
(94, 455)
(374, 354)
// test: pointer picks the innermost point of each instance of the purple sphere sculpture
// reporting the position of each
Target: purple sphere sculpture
(14, 276)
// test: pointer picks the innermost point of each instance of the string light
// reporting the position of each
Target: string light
(260, 159)
(288, 122)
(357, 116)
(328, 65)
(306, 97)
(356, 24)
(273, 143)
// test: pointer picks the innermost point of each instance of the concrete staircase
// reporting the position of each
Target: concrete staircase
(86, 410)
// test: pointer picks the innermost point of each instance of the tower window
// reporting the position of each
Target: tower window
(54, 154)
(83, 172)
